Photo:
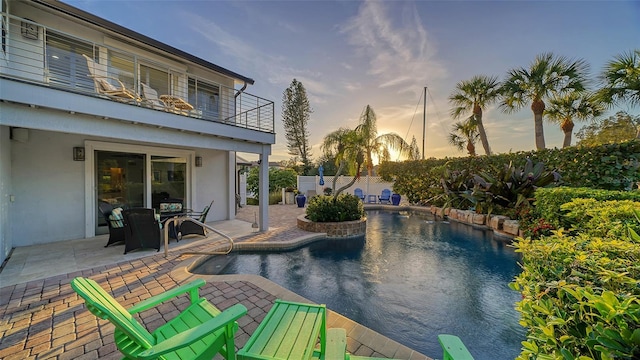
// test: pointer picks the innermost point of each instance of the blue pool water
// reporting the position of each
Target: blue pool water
(410, 279)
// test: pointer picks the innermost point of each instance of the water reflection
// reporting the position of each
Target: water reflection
(412, 278)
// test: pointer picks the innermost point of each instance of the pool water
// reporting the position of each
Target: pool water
(410, 279)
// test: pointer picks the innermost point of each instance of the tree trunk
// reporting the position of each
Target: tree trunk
(567, 128)
(477, 113)
(471, 148)
(538, 110)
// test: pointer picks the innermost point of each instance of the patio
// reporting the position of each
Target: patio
(41, 317)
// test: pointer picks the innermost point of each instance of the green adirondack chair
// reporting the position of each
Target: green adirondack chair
(453, 348)
(199, 332)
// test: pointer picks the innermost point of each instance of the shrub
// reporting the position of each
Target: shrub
(278, 179)
(609, 219)
(323, 208)
(550, 200)
(610, 166)
(580, 297)
(275, 197)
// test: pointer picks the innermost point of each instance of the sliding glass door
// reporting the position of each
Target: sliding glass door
(120, 181)
(168, 179)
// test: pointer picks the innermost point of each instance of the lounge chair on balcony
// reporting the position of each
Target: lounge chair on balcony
(150, 98)
(103, 85)
(200, 331)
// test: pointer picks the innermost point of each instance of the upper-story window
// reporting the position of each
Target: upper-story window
(121, 66)
(155, 78)
(65, 64)
(204, 97)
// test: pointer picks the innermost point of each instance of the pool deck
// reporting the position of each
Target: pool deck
(42, 318)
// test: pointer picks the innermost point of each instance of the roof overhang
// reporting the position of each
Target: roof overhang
(128, 33)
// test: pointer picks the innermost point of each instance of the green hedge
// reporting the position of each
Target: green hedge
(580, 298)
(608, 219)
(610, 167)
(581, 293)
(550, 200)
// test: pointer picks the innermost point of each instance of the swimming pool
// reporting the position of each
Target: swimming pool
(410, 280)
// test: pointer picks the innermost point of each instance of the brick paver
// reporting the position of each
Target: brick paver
(45, 319)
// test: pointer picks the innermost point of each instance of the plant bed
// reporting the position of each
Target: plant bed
(334, 229)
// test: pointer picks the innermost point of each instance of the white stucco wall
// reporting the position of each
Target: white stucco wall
(5, 192)
(49, 189)
(212, 184)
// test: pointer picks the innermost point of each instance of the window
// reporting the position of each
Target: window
(65, 64)
(204, 97)
(156, 79)
(122, 67)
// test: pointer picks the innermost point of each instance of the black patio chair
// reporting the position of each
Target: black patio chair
(141, 229)
(114, 222)
(190, 228)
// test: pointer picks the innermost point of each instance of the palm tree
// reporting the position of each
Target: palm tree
(378, 145)
(621, 79)
(547, 76)
(473, 96)
(564, 109)
(347, 147)
(465, 132)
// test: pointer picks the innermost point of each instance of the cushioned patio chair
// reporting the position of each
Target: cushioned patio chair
(115, 222)
(103, 85)
(141, 229)
(190, 228)
(385, 197)
(198, 332)
(358, 192)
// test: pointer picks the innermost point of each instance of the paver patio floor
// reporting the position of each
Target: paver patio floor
(43, 318)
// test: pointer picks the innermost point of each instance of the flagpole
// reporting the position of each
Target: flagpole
(424, 121)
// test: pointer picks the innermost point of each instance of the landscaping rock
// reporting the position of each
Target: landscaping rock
(511, 227)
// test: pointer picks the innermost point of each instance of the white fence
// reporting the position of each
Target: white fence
(370, 185)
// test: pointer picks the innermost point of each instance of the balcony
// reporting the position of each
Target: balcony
(123, 73)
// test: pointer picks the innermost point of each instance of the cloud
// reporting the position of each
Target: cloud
(274, 68)
(401, 56)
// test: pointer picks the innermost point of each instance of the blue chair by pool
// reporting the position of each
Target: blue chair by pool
(385, 197)
(358, 192)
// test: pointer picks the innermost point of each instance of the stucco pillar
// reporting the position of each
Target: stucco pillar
(264, 191)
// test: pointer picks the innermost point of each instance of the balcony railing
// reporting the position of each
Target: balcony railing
(34, 53)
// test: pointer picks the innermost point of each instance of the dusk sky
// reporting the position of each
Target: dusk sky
(349, 54)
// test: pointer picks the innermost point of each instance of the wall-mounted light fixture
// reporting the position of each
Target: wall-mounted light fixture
(78, 153)
(198, 161)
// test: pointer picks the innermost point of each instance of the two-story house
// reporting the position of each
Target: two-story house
(93, 112)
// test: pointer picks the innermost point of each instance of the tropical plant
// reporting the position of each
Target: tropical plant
(546, 77)
(472, 96)
(511, 187)
(465, 133)
(347, 146)
(621, 79)
(571, 106)
(379, 145)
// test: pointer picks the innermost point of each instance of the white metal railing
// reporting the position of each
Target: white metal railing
(175, 221)
(52, 58)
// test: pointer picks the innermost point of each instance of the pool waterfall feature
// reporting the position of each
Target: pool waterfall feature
(412, 278)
